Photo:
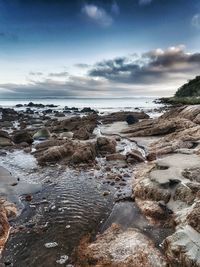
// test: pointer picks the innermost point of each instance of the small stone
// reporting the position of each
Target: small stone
(51, 245)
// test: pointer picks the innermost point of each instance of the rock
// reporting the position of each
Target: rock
(157, 127)
(49, 143)
(4, 227)
(51, 245)
(130, 119)
(7, 210)
(42, 134)
(8, 115)
(85, 153)
(193, 218)
(81, 134)
(59, 114)
(5, 142)
(148, 190)
(187, 192)
(19, 106)
(55, 153)
(22, 136)
(75, 123)
(31, 104)
(118, 248)
(88, 110)
(69, 151)
(4, 134)
(67, 135)
(122, 116)
(187, 112)
(183, 247)
(154, 211)
(5, 139)
(105, 145)
(116, 156)
(192, 174)
(134, 156)
(6, 124)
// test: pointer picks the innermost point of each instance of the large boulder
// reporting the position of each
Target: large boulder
(81, 134)
(67, 151)
(7, 210)
(8, 114)
(105, 145)
(85, 153)
(118, 248)
(130, 119)
(183, 247)
(22, 136)
(5, 139)
(75, 123)
(42, 134)
(134, 156)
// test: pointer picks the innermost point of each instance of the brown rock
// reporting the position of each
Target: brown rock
(116, 156)
(118, 248)
(22, 136)
(193, 217)
(147, 190)
(134, 156)
(105, 145)
(81, 134)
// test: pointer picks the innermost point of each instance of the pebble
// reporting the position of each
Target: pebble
(51, 245)
(62, 259)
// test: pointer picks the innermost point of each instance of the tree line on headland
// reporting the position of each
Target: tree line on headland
(187, 94)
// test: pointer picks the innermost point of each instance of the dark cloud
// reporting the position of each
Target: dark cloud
(82, 65)
(152, 67)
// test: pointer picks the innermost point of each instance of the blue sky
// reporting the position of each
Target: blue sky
(97, 48)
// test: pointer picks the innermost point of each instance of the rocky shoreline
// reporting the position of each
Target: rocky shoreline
(153, 163)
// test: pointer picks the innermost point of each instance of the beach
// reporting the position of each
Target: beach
(78, 182)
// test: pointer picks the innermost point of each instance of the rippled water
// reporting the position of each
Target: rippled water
(71, 207)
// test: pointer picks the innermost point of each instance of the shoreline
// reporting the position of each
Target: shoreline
(125, 155)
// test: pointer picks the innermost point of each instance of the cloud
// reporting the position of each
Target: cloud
(59, 74)
(35, 73)
(196, 21)
(82, 65)
(155, 66)
(157, 72)
(144, 2)
(97, 14)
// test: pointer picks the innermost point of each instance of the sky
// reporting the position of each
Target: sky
(97, 48)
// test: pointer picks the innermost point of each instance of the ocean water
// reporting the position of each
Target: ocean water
(100, 104)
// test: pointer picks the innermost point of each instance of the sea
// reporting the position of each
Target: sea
(104, 105)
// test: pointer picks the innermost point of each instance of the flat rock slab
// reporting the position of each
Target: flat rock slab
(170, 168)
